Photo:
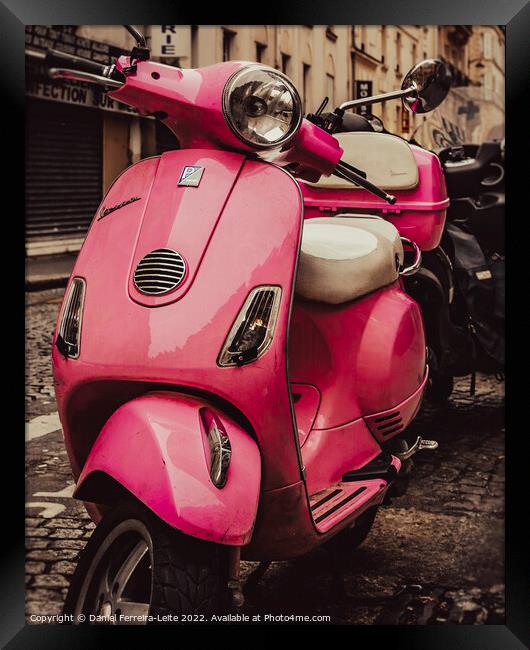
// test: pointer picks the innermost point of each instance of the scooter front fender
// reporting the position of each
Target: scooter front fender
(155, 446)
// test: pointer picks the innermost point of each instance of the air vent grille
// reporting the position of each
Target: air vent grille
(388, 424)
(159, 272)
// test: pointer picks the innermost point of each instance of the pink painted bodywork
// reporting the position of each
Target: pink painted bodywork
(127, 348)
(373, 493)
(155, 447)
(330, 453)
(306, 400)
(240, 228)
(365, 356)
(405, 412)
(418, 214)
(190, 103)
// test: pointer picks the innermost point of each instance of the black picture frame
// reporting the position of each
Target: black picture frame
(515, 14)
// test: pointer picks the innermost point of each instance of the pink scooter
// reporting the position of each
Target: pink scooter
(229, 379)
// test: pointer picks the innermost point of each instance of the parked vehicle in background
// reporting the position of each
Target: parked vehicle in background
(460, 285)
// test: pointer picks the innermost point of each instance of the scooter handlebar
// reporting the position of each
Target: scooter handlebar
(57, 59)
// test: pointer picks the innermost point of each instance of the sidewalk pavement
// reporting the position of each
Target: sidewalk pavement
(48, 271)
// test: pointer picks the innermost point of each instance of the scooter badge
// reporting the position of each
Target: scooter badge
(105, 211)
(191, 176)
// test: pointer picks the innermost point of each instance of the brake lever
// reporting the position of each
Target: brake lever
(343, 170)
(79, 75)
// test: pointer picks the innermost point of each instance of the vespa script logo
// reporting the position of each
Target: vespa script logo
(105, 211)
(191, 176)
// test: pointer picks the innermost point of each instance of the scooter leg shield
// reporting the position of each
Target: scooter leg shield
(157, 448)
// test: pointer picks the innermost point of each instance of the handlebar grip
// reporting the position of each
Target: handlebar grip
(55, 58)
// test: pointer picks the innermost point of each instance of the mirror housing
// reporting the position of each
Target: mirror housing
(431, 79)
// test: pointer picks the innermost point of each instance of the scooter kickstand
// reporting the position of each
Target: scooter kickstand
(256, 575)
(234, 577)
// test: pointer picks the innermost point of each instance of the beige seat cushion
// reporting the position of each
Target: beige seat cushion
(344, 258)
(387, 160)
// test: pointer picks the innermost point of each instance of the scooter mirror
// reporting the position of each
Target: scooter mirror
(432, 80)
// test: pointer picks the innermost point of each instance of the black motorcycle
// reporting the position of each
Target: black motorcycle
(460, 285)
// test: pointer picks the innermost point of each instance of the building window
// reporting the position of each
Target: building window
(228, 44)
(330, 33)
(487, 87)
(194, 46)
(286, 64)
(330, 88)
(398, 52)
(260, 52)
(487, 45)
(306, 86)
(383, 43)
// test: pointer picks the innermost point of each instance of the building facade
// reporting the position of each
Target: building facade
(78, 140)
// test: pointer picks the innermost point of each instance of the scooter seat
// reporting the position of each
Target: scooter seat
(344, 258)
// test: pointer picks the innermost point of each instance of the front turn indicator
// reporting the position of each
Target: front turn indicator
(219, 447)
(253, 330)
(68, 339)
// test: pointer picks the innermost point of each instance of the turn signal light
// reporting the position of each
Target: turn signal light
(253, 330)
(69, 331)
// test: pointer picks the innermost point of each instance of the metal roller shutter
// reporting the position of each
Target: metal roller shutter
(63, 175)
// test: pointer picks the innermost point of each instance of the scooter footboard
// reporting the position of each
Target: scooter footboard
(157, 447)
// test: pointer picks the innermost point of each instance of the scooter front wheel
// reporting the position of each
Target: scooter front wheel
(135, 569)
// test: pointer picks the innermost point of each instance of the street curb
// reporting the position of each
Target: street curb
(41, 282)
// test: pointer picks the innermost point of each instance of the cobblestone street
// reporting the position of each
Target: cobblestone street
(434, 556)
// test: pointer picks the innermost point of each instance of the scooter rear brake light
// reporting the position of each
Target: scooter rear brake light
(253, 330)
(69, 330)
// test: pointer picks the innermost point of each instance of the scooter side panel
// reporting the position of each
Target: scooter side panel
(330, 453)
(155, 447)
(126, 346)
(364, 357)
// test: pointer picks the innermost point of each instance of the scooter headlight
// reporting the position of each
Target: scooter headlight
(262, 107)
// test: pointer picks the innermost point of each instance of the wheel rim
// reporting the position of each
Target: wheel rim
(118, 583)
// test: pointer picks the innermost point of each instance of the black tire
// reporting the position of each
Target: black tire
(440, 388)
(351, 538)
(175, 574)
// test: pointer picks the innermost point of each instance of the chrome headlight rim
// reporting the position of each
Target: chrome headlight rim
(297, 105)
